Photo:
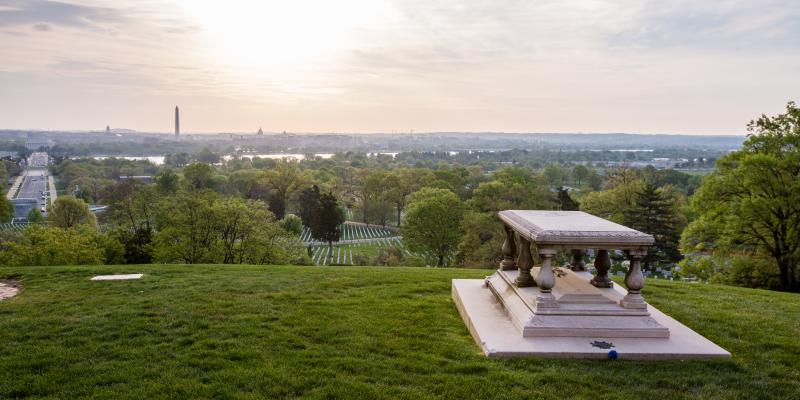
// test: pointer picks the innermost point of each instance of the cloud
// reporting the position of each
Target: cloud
(445, 64)
(26, 12)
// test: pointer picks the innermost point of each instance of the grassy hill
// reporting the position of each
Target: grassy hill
(347, 332)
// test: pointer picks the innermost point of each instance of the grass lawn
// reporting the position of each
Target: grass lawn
(249, 332)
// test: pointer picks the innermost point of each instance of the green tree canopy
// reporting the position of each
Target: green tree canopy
(751, 202)
(199, 176)
(6, 209)
(432, 223)
(34, 216)
(327, 220)
(167, 181)
(68, 212)
(654, 212)
(308, 202)
(78, 245)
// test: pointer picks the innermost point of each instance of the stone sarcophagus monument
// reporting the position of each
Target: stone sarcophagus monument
(564, 311)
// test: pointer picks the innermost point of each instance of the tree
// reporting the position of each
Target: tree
(34, 216)
(292, 224)
(240, 223)
(431, 225)
(277, 204)
(653, 212)
(6, 209)
(68, 212)
(375, 206)
(167, 181)
(132, 218)
(78, 245)
(398, 186)
(284, 180)
(177, 160)
(207, 156)
(614, 202)
(187, 228)
(199, 176)
(751, 202)
(309, 202)
(90, 188)
(580, 173)
(554, 173)
(565, 201)
(510, 188)
(326, 224)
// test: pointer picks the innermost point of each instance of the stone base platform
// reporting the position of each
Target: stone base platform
(583, 310)
(496, 334)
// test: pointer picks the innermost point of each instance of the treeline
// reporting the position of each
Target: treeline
(446, 211)
(739, 225)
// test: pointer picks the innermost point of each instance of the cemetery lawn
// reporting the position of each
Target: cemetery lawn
(248, 332)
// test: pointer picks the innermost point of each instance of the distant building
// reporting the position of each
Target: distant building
(108, 130)
(260, 132)
(177, 124)
(37, 143)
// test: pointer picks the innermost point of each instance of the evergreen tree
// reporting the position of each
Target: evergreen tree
(34, 216)
(654, 213)
(326, 222)
(6, 209)
(309, 204)
(565, 201)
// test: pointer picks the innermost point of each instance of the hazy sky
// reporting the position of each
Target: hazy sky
(397, 65)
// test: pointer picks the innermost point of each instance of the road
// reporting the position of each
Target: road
(33, 187)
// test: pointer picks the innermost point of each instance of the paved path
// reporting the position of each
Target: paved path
(16, 185)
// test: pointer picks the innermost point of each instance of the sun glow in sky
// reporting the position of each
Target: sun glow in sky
(396, 65)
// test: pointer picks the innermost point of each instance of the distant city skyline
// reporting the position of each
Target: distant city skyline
(359, 66)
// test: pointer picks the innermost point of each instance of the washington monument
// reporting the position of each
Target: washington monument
(177, 124)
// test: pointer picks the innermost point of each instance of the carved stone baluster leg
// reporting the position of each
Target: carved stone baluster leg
(509, 251)
(577, 263)
(634, 281)
(525, 262)
(545, 279)
(602, 263)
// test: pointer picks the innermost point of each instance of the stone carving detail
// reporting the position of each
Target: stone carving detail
(602, 263)
(634, 281)
(577, 263)
(509, 250)
(525, 262)
(546, 279)
(613, 232)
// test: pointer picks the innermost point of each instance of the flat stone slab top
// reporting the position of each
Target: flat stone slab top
(8, 290)
(573, 229)
(119, 277)
(497, 335)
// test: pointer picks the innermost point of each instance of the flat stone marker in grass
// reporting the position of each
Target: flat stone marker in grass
(119, 277)
(8, 290)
